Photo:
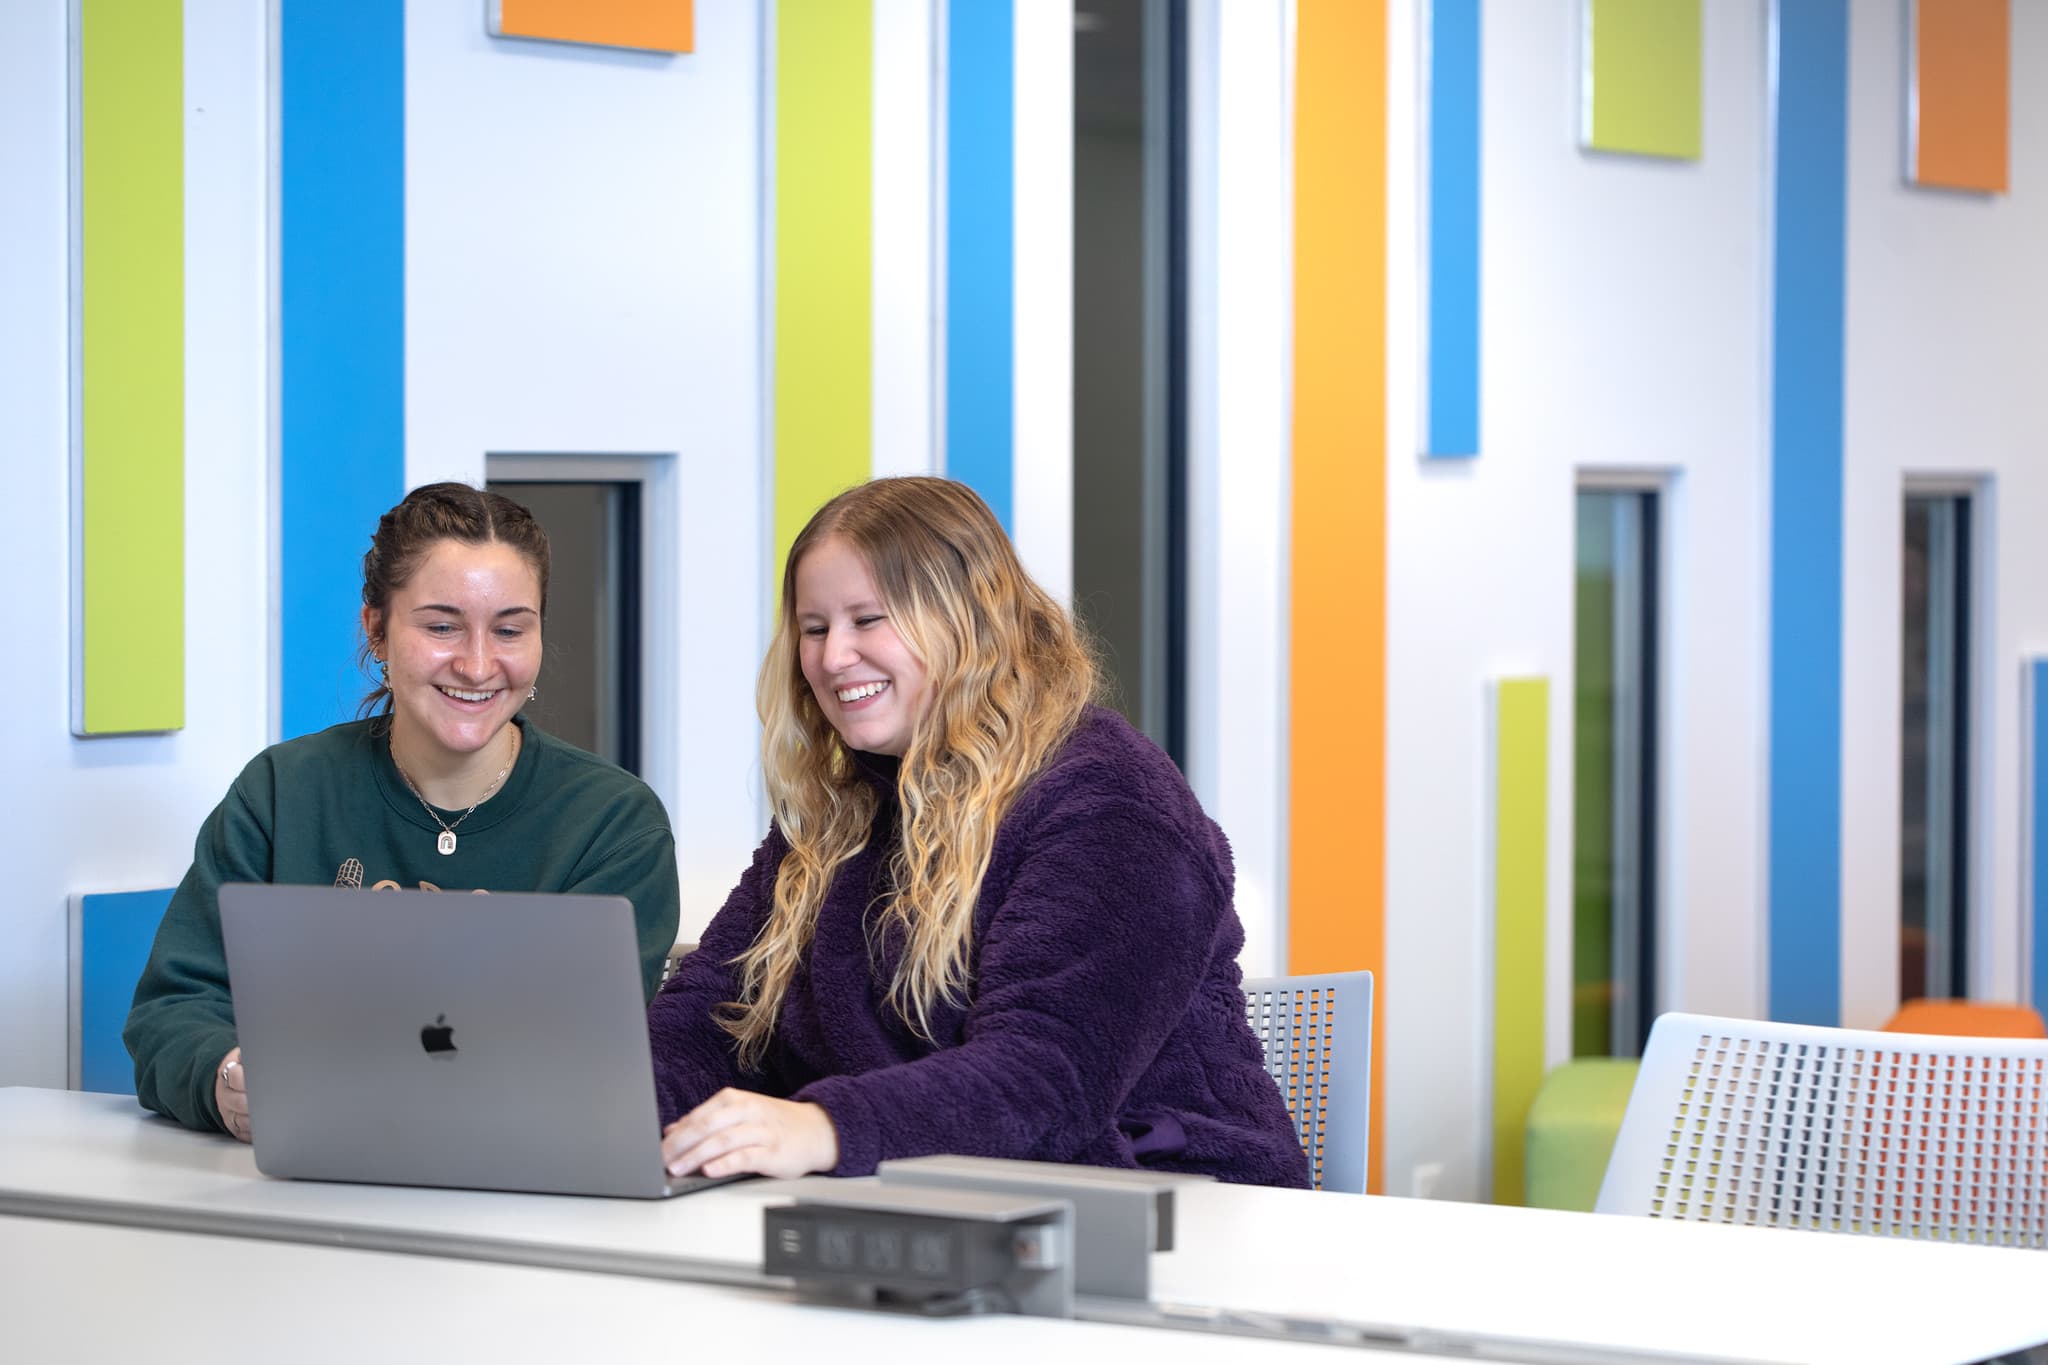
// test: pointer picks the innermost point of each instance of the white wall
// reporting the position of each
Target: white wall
(584, 274)
(1240, 337)
(1626, 330)
(584, 239)
(1948, 330)
(1623, 315)
(1625, 324)
(1622, 326)
(1042, 283)
(908, 114)
(119, 814)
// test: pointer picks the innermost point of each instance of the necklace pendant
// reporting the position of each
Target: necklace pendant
(446, 843)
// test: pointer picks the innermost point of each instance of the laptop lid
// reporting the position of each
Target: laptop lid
(419, 1038)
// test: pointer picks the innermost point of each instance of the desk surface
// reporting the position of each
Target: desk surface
(94, 1292)
(1737, 1293)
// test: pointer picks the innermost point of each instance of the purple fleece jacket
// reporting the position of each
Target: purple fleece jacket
(1106, 1023)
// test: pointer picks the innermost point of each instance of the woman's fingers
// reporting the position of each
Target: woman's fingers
(737, 1132)
(231, 1094)
(729, 1151)
(680, 1138)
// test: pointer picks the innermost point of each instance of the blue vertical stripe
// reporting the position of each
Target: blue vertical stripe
(1811, 44)
(1453, 378)
(342, 332)
(979, 247)
(2037, 835)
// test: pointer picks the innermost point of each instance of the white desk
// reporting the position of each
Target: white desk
(1631, 1284)
(85, 1156)
(94, 1292)
(1736, 1293)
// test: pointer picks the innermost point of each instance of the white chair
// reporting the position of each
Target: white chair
(1837, 1130)
(1317, 1036)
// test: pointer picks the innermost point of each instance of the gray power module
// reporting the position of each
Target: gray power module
(938, 1252)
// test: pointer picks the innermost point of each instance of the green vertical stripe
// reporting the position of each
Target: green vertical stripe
(132, 364)
(1520, 817)
(1643, 60)
(824, 79)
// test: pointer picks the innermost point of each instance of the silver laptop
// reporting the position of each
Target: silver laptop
(419, 1038)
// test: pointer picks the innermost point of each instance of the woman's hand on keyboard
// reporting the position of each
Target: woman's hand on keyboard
(737, 1132)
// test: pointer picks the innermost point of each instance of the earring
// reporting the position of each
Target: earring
(533, 692)
(384, 673)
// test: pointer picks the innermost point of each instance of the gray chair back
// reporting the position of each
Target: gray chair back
(1317, 1036)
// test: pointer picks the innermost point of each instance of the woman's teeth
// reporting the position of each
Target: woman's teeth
(860, 693)
(461, 695)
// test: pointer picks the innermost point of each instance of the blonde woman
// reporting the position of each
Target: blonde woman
(990, 918)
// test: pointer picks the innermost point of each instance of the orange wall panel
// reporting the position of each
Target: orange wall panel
(1961, 102)
(1337, 747)
(651, 25)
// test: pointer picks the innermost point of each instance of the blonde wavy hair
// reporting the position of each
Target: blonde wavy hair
(1008, 676)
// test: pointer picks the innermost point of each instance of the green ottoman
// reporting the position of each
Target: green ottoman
(1572, 1127)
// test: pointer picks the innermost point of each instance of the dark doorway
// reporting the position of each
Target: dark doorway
(590, 674)
(1130, 354)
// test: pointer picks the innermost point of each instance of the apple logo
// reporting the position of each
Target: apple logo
(438, 1038)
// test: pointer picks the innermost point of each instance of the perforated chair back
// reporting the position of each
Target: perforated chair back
(1317, 1036)
(1837, 1130)
(676, 953)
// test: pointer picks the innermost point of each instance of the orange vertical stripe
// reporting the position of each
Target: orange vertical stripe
(1337, 748)
(1962, 72)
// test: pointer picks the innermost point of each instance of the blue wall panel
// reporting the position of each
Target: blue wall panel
(114, 935)
(1453, 360)
(2037, 835)
(342, 333)
(980, 232)
(1806, 511)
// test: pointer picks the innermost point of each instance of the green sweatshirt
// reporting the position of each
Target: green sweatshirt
(331, 809)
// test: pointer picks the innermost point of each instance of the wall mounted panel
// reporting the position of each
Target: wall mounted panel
(1958, 104)
(1809, 138)
(824, 340)
(1451, 382)
(980, 248)
(128, 373)
(2034, 971)
(649, 25)
(341, 339)
(1338, 619)
(111, 935)
(1641, 74)
(1520, 763)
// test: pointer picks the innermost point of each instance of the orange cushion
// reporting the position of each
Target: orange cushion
(1967, 1019)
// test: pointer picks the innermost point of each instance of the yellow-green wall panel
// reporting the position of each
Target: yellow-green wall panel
(824, 86)
(1642, 77)
(130, 377)
(1521, 819)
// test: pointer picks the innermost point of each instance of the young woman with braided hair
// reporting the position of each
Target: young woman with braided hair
(446, 786)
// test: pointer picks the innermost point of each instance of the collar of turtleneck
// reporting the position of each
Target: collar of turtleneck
(878, 769)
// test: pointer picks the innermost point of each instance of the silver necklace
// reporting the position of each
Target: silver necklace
(446, 843)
